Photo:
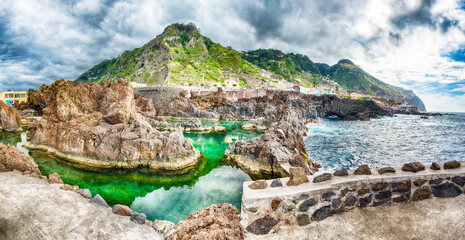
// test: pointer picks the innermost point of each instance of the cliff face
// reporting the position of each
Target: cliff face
(104, 125)
(9, 120)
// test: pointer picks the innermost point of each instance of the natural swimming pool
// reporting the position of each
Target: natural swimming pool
(159, 196)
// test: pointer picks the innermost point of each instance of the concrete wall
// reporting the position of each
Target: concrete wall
(265, 210)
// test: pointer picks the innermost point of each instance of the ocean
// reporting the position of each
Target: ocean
(389, 141)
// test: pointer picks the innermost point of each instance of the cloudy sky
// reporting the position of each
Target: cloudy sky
(418, 45)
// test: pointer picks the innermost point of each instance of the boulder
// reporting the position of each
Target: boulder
(10, 121)
(262, 225)
(341, 172)
(122, 210)
(451, 165)
(435, 166)
(104, 125)
(297, 176)
(219, 221)
(139, 218)
(321, 178)
(85, 193)
(219, 129)
(11, 159)
(54, 178)
(258, 184)
(413, 167)
(385, 170)
(276, 183)
(163, 227)
(363, 170)
(99, 200)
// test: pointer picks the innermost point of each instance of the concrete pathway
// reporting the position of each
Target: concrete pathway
(30, 208)
(427, 219)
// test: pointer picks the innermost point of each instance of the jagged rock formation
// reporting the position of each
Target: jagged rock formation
(219, 221)
(12, 159)
(104, 125)
(9, 120)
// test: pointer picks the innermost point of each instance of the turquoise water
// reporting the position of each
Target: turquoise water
(159, 196)
(389, 141)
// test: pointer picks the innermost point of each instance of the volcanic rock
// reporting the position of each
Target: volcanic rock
(297, 176)
(385, 170)
(322, 178)
(102, 125)
(276, 183)
(446, 190)
(363, 170)
(219, 221)
(341, 172)
(413, 167)
(421, 193)
(139, 218)
(9, 120)
(54, 178)
(99, 200)
(122, 210)
(435, 166)
(11, 158)
(262, 225)
(451, 165)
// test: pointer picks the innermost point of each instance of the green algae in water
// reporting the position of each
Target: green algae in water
(161, 196)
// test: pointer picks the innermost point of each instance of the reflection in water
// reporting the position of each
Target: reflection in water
(158, 195)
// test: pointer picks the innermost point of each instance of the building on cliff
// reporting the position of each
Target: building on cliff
(12, 97)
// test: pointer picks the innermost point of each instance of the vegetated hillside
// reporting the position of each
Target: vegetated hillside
(178, 56)
(354, 79)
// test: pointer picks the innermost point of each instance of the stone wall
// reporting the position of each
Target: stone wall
(268, 205)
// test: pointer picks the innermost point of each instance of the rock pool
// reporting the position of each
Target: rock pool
(159, 196)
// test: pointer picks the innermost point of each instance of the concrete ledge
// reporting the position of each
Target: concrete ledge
(275, 207)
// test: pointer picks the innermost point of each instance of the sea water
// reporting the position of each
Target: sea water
(389, 141)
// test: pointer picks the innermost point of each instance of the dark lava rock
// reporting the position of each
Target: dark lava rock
(275, 203)
(276, 183)
(365, 201)
(322, 178)
(413, 167)
(363, 170)
(341, 172)
(303, 220)
(459, 180)
(446, 190)
(401, 198)
(379, 186)
(385, 170)
(287, 208)
(380, 202)
(321, 213)
(350, 201)
(139, 218)
(363, 191)
(451, 165)
(336, 203)
(307, 204)
(435, 166)
(303, 197)
(327, 196)
(401, 187)
(99, 200)
(419, 182)
(259, 184)
(85, 193)
(262, 225)
(421, 193)
(435, 181)
(383, 195)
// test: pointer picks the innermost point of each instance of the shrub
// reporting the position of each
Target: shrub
(190, 84)
(234, 85)
(224, 84)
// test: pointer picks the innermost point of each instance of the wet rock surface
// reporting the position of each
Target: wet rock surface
(93, 123)
(219, 221)
(10, 121)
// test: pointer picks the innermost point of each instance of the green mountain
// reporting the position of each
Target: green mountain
(178, 56)
(181, 56)
(354, 79)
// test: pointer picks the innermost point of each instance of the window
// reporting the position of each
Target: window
(10, 95)
(23, 95)
(17, 95)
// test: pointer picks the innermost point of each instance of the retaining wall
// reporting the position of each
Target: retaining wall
(265, 210)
